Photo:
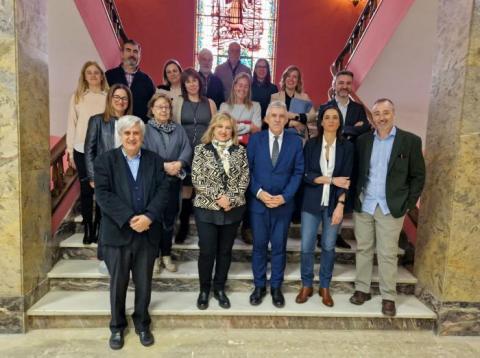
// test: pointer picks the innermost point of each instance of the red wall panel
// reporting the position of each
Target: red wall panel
(311, 33)
(164, 28)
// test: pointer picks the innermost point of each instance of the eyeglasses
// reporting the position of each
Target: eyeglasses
(118, 98)
(261, 66)
(162, 108)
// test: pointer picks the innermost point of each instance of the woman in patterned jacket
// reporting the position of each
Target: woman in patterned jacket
(220, 177)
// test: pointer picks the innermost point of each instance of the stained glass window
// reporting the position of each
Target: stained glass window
(251, 23)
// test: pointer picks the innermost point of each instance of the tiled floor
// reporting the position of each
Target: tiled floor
(86, 343)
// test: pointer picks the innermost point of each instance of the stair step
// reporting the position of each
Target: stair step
(178, 309)
(73, 248)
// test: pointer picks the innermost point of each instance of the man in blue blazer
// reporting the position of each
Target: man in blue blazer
(275, 158)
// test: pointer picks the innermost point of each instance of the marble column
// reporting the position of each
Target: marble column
(25, 208)
(447, 261)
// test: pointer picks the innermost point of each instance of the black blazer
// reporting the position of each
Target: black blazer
(405, 174)
(99, 139)
(142, 89)
(355, 113)
(214, 89)
(112, 193)
(312, 196)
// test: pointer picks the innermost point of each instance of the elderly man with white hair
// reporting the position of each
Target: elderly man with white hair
(131, 190)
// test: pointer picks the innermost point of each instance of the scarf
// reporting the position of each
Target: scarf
(222, 149)
(168, 127)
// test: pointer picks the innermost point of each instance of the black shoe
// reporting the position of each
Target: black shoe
(277, 297)
(202, 300)
(222, 298)
(87, 236)
(146, 337)
(116, 340)
(319, 241)
(342, 243)
(257, 295)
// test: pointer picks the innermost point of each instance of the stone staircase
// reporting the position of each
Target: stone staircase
(78, 295)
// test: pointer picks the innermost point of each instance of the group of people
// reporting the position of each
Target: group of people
(152, 154)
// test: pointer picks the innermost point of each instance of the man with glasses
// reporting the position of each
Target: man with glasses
(129, 74)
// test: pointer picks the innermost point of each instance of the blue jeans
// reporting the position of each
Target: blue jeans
(310, 224)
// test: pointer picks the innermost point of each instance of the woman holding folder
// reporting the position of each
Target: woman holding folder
(300, 108)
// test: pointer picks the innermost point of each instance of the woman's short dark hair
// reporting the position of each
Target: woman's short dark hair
(191, 73)
(320, 119)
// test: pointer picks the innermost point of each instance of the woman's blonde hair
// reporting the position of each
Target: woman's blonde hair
(288, 70)
(248, 100)
(82, 85)
(154, 99)
(216, 120)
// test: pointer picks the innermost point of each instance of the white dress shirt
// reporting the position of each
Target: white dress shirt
(343, 109)
(327, 167)
(271, 139)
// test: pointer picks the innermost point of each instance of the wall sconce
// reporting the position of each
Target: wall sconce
(355, 2)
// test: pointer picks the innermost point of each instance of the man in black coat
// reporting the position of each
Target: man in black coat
(355, 123)
(129, 74)
(212, 85)
(131, 190)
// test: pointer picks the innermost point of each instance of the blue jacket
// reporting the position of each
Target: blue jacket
(312, 195)
(283, 179)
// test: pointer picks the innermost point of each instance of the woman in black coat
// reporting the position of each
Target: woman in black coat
(328, 166)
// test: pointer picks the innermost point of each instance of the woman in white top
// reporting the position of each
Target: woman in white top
(89, 99)
(328, 166)
(247, 114)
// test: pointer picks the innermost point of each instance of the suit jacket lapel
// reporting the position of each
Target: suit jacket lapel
(368, 152)
(338, 158)
(122, 166)
(396, 148)
(265, 150)
(146, 171)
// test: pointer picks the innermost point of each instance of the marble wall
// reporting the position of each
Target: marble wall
(25, 208)
(447, 262)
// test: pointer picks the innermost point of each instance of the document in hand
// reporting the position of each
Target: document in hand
(300, 105)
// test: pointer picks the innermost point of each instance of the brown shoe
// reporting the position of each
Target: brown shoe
(388, 308)
(304, 294)
(327, 300)
(360, 297)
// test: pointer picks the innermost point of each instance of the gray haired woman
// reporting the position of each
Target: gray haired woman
(169, 140)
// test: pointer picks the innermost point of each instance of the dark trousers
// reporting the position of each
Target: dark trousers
(86, 191)
(138, 257)
(168, 217)
(216, 242)
(269, 227)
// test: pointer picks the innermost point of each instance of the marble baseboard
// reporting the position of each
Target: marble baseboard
(454, 318)
(12, 315)
(240, 322)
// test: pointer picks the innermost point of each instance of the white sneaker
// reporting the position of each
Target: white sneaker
(169, 265)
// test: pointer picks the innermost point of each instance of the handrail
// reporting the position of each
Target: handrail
(61, 180)
(115, 21)
(360, 27)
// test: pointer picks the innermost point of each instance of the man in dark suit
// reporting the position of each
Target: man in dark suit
(355, 123)
(129, 74)
(391, 175)
(275, 158)
(132, 191)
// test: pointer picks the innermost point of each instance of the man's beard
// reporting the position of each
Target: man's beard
(131, 62)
